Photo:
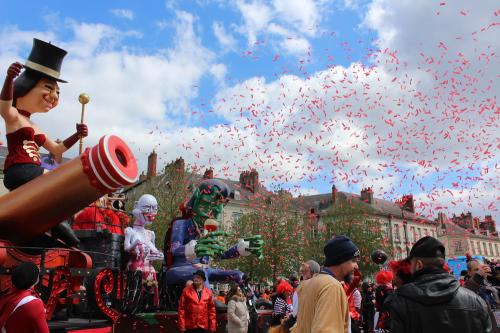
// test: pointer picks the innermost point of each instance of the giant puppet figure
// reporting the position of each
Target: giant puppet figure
(140, 242)
(190, 242)
(35, 90)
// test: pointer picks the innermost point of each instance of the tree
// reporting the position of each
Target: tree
(357, 221)
(279, 223)
(170, 189)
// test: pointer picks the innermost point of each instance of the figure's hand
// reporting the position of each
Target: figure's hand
(14, 70)
(209, 245)
(82, 130)
(256, 245)
(7, 93)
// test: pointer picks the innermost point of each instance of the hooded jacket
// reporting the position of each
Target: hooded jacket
(237, 315)
(435, 302)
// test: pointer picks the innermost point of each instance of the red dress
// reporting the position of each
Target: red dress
(23, 147)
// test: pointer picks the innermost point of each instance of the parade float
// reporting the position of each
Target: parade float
(89, 283)
(96, 276)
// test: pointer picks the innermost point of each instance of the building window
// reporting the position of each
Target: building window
(491, 249)
(396, 233)
(419, 233)
(237, 195)
(237, 216)
(385, 229)
(485, 252)
(399, 253)
(496, 249)
(412, 235)
(458, 246)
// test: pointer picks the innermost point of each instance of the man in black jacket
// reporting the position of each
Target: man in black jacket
(434, 301)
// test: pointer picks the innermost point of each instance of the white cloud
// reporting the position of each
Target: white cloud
(256, 16)
(123, 13)
(411, 27)
(224, 38)
(302, 13)
(285, 24)
(219, 72)
(163, 24)
(303, 191)
(296, 46)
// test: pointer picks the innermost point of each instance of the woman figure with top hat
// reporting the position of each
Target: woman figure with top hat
(35, 90)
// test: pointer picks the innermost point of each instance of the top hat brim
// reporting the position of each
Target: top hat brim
(44, 71)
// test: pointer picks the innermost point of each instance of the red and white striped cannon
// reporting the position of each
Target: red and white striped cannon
(32, 209)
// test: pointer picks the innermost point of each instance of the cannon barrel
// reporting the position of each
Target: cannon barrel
(32, 209)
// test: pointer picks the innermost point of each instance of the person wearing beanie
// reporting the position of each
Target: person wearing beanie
(323, 303)
(433, 301)
(21, 310)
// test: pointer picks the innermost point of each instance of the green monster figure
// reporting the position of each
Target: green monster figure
(193, 239)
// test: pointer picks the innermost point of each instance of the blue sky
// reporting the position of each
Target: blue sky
(392, 94)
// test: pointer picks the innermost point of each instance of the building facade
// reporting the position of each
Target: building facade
(467, 234)
(399, 222)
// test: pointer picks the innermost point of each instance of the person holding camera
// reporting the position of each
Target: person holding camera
(482, 280)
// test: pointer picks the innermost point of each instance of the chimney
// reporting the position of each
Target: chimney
(209, 174)
(250, 180)
(255, 180)
(334, 194)
(367, 195)
(152, 165)
(407, 203)
(179, 164)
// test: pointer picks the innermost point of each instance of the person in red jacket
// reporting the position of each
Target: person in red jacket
(21, 310)
(196, 307)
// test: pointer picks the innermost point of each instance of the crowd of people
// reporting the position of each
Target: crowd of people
(416, 294)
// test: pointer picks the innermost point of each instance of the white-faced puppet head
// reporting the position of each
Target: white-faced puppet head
(145, 210)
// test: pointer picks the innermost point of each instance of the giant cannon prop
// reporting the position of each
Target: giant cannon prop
(42, 203)
(28, 212)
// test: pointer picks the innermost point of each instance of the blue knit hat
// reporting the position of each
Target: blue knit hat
(339, 250)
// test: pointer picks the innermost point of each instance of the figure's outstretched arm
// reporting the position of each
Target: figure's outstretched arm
(237, 250)
(59, 148)
(8, 112)
(245, 247)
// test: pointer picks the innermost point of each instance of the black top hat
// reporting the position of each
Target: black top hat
(46, 59)
(201, 274)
